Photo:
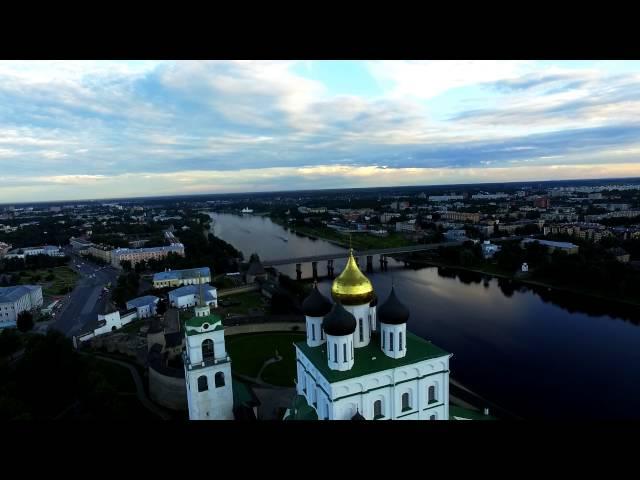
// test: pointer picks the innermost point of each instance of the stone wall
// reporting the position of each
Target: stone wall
(168, 389)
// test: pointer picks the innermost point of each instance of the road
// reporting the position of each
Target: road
(82, 306)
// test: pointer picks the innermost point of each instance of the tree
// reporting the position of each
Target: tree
(25, 321)
(126, 265)
(161, 308)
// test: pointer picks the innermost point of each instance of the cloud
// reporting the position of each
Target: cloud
(88, 123)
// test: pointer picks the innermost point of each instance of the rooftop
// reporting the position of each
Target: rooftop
(180, 274)
(459, 413)
(550, 243)
(11, 294)
(194, 290)
(418, 350)
(142, 301)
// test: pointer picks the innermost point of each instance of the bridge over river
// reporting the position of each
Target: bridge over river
(369, 254)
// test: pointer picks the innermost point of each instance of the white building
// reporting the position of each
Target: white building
(489, 249)
(207, 366)
(187, 296)
(17, 299)
(144, 306)
(359, 362)
(455, 235)
(109, 322)
(176, 278)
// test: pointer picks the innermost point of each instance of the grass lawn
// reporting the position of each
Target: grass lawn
(248, 301)
(116, 375)
(133, 327)
(249, 352)
(64, 278)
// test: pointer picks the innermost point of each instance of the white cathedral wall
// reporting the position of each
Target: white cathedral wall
(342, 399)
(361, 313)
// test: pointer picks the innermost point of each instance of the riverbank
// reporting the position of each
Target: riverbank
(527, 281)
(359, 241)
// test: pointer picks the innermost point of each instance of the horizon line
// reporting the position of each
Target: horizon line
(178, 195)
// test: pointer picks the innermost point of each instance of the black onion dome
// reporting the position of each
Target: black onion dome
(339, 322)
(316, 304)
(358, 416)
(392, 311)
(374, 301)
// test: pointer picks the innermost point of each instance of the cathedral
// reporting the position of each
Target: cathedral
(359, 362)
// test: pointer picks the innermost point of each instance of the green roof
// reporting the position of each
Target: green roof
(466, 413)
(243, 395)
(418, 350)
(300, 410)
(197, 322)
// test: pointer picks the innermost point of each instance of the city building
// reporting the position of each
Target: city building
(135, 255)
(101, 252)
(17, 299)
(489, 196)
(567, 247)
(359, 362)
(177, 278)
(387, 217)
(187, 296)
(48, 250)
(460, 216)
(620, 254)
(207, 366)
(542, 202)
(4, 248)
(455, 235)
(445, 198)
(144, 306)
(408, 227)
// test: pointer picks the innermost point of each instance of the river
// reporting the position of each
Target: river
(538, 353)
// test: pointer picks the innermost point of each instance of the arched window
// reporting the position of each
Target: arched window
(219, 378)
(400, 340)
(377, 409)
(391, 341)
(432, 394)
(344, 352)
(361, 330)
(321, 334)
(313, 331)
(207, 349)
(202, 383)
(405, 402)
(432, 417)
(335, 352)
(383, 337)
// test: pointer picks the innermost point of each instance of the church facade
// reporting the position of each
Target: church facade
(359, 362)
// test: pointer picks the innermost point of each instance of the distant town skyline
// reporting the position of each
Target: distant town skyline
(74, 130)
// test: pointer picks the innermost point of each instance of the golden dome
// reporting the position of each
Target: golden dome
(352, 287)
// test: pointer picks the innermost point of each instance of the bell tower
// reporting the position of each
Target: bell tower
(207, 365)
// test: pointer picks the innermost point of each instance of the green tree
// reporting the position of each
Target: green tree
(25, 321)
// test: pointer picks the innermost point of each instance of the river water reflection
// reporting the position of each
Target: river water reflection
(538, 353)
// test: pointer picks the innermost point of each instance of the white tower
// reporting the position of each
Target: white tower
(339, 325)
(393, 316)
(207, 366)
(315, 307)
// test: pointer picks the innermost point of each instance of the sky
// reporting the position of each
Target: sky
(107, 129)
